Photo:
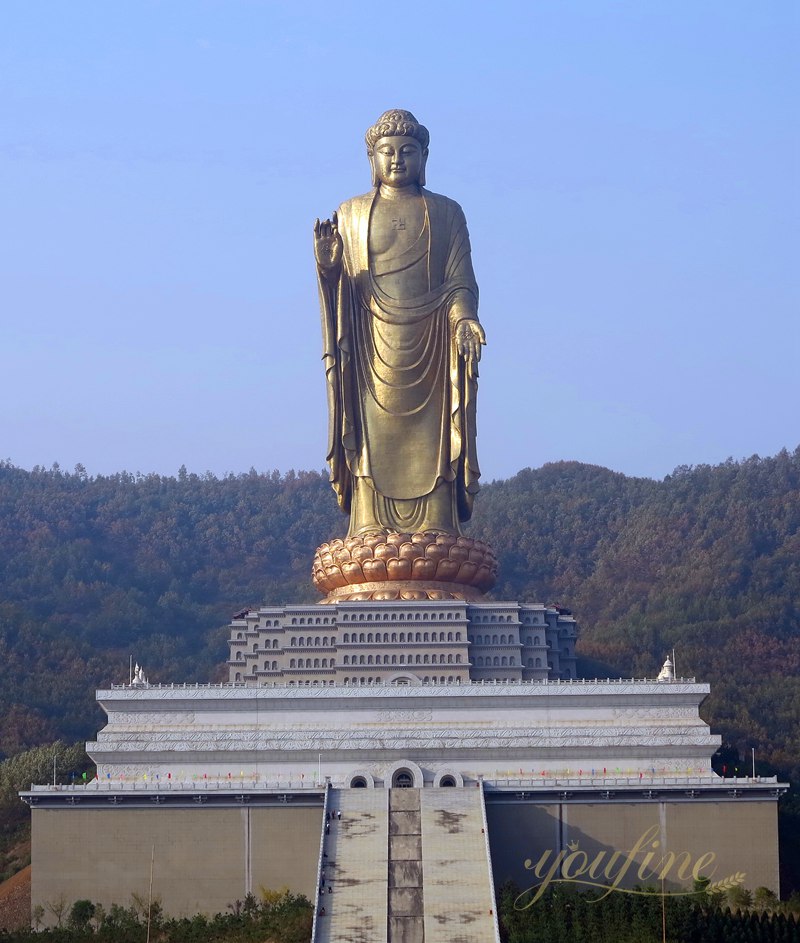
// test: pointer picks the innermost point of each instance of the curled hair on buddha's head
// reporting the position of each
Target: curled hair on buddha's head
(397, 123)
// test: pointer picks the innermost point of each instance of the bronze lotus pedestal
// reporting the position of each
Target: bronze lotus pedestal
(399, 566)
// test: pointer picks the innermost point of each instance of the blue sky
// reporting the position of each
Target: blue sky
(629, 172)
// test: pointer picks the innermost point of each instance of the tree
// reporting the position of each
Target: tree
(81, 913)
(740, 898)
(57, 908)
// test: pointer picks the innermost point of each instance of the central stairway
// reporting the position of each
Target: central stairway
(406, 866)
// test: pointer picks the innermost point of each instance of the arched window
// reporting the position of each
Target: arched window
(512, 660)
(274, 666)
(361, 636)
(240, 656)
(538, 662)
(504, 661)
(458, 636)
(425, 637)
(324, 662)
(394, 659)
(369, 636)
(449, 636)
(449, 659)
(394, 636)
(417, 637)
(361, 659)
(496, 661)
(316, 662)
(494, 640)
(292, 663)
(402, 779)
(369, 659)
(458, 659)
(238, 676)
(426, 660)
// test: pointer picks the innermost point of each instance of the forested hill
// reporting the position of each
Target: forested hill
(706, 562)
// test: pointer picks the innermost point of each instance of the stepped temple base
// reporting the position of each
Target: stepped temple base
(437, 739)
(229, 788)
(436, 641)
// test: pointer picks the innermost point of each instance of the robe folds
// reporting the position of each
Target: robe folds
(401, 405)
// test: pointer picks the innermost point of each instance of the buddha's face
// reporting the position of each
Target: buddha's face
(398, 161)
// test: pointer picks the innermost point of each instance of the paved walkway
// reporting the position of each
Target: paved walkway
(458, 896)
(356, 868)
(406, 866)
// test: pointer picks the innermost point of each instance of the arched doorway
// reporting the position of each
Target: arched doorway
(403, 779)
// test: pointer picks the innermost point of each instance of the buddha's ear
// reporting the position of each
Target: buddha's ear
(371, 155)
(422, 167)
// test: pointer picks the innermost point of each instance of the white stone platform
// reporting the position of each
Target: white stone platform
(281, 735)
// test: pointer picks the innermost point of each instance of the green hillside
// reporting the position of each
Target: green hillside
(707, 562)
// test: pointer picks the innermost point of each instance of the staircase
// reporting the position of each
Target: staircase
(458, 894)
(355, 869)
(406, 866)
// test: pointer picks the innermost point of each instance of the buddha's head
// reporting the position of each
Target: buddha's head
(397, 146)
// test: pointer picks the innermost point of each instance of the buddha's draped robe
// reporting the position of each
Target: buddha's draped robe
(401, 406)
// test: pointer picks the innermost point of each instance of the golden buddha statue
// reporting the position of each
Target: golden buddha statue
(402, 343)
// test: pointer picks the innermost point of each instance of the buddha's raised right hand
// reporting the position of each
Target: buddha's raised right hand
(328, 246)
